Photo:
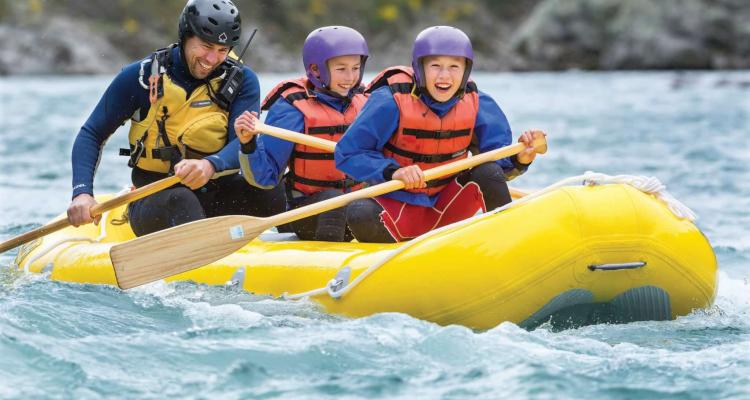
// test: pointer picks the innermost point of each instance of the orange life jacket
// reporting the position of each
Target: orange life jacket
(312, 170)
(423, 138)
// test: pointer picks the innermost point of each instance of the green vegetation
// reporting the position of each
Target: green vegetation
(137, 25)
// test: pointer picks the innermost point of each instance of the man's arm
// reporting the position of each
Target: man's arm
(123, 96)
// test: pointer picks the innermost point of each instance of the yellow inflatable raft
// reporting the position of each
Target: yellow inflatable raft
(582, 254)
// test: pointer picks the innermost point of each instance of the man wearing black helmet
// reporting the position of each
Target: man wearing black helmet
(181, 102)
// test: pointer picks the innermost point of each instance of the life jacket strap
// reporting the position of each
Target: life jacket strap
(338, 184)
(403, 88)
(292, 97)
(424, 158)
(439, 134)
(305, 155)
(330, 130)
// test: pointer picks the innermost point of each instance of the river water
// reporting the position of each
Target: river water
(690, 130)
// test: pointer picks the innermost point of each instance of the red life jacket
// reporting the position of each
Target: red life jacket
(423, 138)
(312, 170)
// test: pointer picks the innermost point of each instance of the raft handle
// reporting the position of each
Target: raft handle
(615, 267)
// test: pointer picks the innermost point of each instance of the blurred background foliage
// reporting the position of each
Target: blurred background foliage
(64, 35)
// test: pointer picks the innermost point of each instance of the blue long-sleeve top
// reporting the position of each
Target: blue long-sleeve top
(265, 165)
(360, 152)
(125, 95)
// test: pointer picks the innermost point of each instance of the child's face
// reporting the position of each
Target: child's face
(443, 75)
(344, 72)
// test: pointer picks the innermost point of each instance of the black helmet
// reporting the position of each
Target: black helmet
(215, 21)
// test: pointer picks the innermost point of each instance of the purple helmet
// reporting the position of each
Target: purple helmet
(328, 42)
(441, 41)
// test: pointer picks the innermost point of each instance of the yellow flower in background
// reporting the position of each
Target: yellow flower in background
(388, 12)
(36, 6)
(130, 25)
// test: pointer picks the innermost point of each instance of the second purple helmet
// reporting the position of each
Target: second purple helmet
(328, 42)
(441, 41)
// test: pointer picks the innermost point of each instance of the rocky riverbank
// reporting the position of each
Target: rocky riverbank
(43, 38)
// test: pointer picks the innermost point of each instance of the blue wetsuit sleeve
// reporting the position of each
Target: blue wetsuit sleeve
(123, 96)
(492, 131)
(359, 153)
(265, 166)
(247, 100)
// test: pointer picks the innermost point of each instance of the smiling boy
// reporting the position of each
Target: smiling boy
(418, 118)
(322, 104)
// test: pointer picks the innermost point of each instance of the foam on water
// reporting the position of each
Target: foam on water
(60, 340)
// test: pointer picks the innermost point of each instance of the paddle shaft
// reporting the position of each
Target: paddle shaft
(393, 185)
(324, 144)
(296, 137)
(96, 210)
(159, 185)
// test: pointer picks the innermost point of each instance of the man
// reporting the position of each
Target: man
(182, 104)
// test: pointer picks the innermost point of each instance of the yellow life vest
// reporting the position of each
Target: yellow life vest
(195, 126)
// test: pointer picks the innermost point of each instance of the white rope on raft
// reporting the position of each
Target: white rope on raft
(650, 185)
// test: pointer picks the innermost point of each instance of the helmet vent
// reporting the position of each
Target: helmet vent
(235, 27)
(216, 6)
(213, 21)
(207, 31)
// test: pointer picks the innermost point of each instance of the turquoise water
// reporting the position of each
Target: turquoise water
(692, 131)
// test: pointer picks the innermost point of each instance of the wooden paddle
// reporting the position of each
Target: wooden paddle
(329, 145)
(296, 137)
(182, 248)
(96, 210)
(154, 187)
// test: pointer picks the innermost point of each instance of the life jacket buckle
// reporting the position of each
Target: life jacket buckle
(136, 153)
(153, 88)
(443, 134)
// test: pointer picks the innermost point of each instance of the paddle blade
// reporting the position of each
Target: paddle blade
(182, 248)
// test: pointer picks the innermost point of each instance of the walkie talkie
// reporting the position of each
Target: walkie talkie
(231, 83)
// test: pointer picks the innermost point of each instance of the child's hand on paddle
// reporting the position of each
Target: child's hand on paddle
(244, 126)
(412, 176)
(529, 153)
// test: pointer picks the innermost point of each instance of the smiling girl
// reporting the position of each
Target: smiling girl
(418, 118)
(323, 103)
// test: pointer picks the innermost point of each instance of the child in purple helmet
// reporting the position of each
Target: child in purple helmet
(323, 103)
(418, 118)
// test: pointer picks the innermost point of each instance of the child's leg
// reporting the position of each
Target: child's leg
(329, 226)
(363, 218)
(491, 180)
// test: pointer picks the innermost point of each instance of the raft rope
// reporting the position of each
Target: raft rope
(337, 287)
(54, 245)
